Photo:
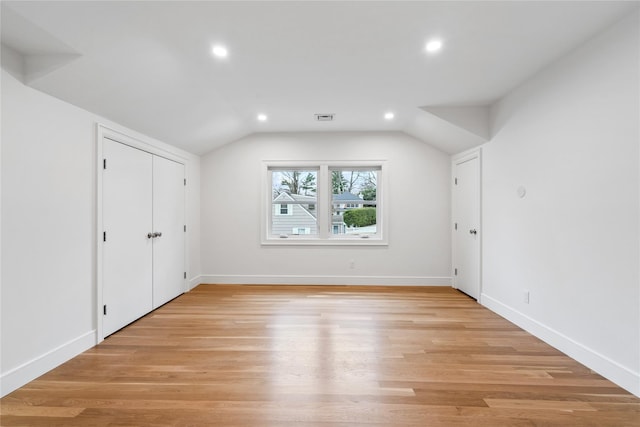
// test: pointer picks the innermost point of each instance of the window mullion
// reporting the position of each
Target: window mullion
(324, 202)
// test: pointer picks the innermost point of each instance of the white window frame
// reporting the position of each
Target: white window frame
(325, 234)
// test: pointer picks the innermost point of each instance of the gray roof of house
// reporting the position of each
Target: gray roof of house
(347, 197)
(296, 197)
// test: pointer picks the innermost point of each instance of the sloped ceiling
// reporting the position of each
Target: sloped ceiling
(148, 65)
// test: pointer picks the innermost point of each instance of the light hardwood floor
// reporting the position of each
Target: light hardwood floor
(321, 356)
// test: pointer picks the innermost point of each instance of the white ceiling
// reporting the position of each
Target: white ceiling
(147, 65)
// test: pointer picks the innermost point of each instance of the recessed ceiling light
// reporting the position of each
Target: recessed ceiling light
(220, 51)
(262, 117)
(434, 46)
(389, 115)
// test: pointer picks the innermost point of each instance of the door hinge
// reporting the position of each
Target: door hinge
(104, 236)
(185, 181)
(455, 226)
(455, 181)
(185, 274)
(104, 309)
(455, 271)
(185, 228)
(104, 163)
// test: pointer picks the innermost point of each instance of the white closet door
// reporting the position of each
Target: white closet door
(168, 219)
(466, 216)
(127, 251)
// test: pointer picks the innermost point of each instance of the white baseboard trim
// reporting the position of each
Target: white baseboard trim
(29, 371)
(230, 279)
(195, 281)
(610, 369)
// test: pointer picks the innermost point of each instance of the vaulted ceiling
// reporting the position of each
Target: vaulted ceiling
(149, 65)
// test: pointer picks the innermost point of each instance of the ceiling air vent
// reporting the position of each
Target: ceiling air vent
(324, 117)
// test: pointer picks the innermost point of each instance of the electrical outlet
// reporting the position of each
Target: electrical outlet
(525, 297)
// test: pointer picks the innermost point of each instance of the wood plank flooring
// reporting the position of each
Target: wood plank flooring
(321, 356)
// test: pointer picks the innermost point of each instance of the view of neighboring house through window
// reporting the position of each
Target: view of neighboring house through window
(324, 202)
(353, 201)
(294, 199)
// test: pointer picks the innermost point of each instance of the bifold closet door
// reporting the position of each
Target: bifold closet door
(127, 191)
(168, 221)
(144, 233)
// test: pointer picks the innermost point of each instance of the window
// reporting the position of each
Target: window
(293, 193)
(353, 200)
(323, 203)
(282, 209)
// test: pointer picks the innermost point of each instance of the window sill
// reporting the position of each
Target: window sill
(298, 241)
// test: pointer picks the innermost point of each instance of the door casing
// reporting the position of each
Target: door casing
(102, 132)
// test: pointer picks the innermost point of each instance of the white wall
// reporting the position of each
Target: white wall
(570, 136)
(48, 230)
(418, 208)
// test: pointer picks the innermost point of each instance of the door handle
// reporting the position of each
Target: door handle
(150, 236)
(153, 235)
(473, 231)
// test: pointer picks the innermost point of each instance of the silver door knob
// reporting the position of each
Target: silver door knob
(150, 236)
(473, 231)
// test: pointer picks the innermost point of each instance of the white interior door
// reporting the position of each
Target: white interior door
(127, 219)
(168, 222)
(466, 218)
